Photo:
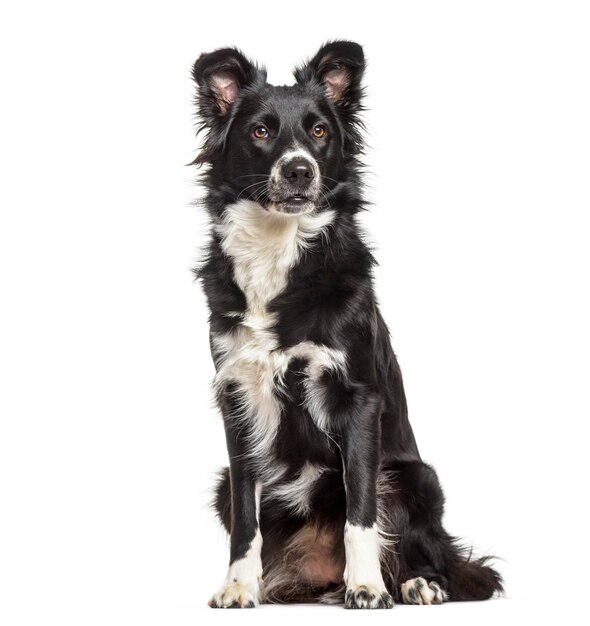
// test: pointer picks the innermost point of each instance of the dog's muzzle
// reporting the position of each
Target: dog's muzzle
(294, 183)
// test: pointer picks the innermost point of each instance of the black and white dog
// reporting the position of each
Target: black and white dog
(326, 497)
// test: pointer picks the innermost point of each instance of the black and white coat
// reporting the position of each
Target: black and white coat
(326, 497)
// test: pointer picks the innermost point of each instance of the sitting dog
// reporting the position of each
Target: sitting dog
(326, 497)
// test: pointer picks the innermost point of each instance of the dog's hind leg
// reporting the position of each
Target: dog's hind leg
(431, 567)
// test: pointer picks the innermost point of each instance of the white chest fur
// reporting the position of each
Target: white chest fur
(264, 246)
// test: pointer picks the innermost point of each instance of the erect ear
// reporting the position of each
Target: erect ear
(339, 67)
(220, 76)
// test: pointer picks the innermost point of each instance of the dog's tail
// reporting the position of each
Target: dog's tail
(472, 578)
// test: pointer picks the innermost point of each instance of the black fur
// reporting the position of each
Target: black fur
(329, 300)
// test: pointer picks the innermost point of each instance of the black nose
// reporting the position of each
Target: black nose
(298, 172)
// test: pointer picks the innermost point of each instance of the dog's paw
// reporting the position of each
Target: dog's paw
(420, 591)
(237, 595)
(367, 597)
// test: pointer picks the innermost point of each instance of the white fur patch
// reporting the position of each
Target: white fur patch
(363, 550)
(264, 247)
(314, 392)
(294, 496)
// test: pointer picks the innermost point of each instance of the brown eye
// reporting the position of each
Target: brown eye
(260, 132)
(319, 131)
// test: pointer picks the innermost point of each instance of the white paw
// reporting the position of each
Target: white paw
(420, 591)
(237, 595)
(367, 597)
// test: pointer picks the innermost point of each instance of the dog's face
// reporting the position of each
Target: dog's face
(286, 148)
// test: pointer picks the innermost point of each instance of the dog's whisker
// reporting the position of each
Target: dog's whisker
(249, 187)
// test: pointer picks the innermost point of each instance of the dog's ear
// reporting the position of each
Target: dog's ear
(339, 67)
(220, 76)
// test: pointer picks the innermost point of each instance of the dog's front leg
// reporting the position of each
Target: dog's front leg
(243, 584)
(361, 441)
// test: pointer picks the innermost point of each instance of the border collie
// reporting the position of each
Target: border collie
(326, 497)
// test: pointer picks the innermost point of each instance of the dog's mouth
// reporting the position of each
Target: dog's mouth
(295, 204)
(289, 199)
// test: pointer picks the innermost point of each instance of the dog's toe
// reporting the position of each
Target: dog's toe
(367, 597)
(420, 591)
(238, 595)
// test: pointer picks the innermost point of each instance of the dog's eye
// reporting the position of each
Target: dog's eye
(260, 132)
(319, 131)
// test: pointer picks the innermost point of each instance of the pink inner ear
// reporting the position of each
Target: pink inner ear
(225, 87)
(336, 81)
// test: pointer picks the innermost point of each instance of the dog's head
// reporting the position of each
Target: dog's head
(286, 147)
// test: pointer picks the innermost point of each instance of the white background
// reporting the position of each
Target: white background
(479, 163)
